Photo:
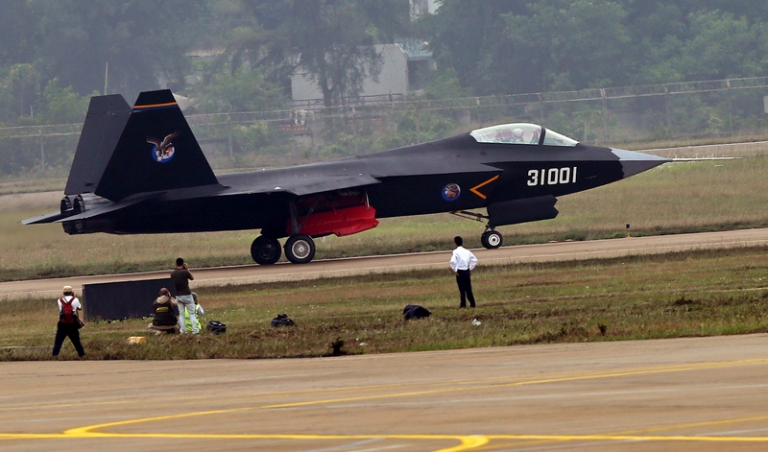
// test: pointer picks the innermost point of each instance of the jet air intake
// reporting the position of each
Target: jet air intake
(522, 211)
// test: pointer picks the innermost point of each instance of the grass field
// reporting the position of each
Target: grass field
(685, 294)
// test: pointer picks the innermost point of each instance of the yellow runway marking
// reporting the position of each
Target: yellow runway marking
(467, 442)
(694, 425)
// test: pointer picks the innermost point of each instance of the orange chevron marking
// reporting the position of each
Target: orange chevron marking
(476, 188)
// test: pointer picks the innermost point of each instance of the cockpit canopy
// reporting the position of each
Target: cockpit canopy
(522, 133)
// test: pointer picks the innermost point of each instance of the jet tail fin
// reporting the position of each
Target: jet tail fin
(104, 122)
(156, 151)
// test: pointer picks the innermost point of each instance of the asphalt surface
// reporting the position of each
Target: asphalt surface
(380, 264)
(703, 394)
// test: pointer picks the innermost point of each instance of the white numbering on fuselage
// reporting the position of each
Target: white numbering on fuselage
(552, 176)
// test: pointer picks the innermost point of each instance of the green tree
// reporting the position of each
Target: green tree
(242, 90)
(143, 42)
(18, 32)
(331, 40)
(24, 83)
(722, 46)
(570, 44)
(62, 105)
(469, 37)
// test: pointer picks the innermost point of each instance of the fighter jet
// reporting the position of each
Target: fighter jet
(140, 170)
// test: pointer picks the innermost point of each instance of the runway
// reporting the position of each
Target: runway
(380, 264)
(703, 394)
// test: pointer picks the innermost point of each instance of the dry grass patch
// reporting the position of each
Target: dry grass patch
(682, 294)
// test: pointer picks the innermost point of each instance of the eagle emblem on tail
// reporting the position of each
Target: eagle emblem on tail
(162, 151)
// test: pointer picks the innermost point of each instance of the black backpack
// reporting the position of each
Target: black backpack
(216, 327)
(414, 311)
(282, 320)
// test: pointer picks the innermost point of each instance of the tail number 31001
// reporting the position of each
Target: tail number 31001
(552, 176)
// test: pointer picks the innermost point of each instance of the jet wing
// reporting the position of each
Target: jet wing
(47, 218)
(303, 185)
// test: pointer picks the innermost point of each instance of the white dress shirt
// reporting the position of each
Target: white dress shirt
(462, 259)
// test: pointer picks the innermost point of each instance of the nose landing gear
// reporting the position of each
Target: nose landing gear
(491, 238)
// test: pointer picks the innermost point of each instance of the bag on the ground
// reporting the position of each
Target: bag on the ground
(282, 320)
(216, 327)
(414, 311)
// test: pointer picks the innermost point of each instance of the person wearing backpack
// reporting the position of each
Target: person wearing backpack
(68, 325)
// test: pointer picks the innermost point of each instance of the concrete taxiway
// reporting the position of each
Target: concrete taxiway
(680, 394)
(380, 264)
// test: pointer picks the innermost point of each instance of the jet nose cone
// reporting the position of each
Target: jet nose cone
(636, 162)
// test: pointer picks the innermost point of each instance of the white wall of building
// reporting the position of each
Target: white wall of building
(393, 78)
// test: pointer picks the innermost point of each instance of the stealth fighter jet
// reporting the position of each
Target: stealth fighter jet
(140, 170)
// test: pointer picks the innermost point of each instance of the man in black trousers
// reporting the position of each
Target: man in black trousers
(68, 325)
(462, 263)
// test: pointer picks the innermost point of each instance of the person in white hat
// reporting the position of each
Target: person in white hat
(68, 325)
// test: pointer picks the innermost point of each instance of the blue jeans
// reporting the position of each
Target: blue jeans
(186, 301)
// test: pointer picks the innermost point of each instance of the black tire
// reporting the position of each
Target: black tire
(265, 250)
(491, 239)
(299, 249)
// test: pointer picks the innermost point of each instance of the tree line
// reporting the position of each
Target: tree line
(237, 55)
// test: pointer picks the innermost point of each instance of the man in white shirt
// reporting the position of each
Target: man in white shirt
(462, 263)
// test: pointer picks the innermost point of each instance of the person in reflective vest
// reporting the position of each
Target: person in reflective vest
(198, 310)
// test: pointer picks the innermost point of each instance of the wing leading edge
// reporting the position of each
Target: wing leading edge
(302, 186)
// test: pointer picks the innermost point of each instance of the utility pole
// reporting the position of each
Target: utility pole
(42, 153)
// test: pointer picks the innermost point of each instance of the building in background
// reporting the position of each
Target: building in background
(404, 65)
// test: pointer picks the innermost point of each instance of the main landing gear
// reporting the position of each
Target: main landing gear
(491, 238)
(299, 249)
(265, 250)
(345, 214)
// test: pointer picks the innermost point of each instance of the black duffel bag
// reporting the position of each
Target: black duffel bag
(282, 320)
(414, 311)
(216, 327)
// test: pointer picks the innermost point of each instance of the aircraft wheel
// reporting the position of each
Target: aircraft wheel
(491, 239)
(265, 250)
(300, 249)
